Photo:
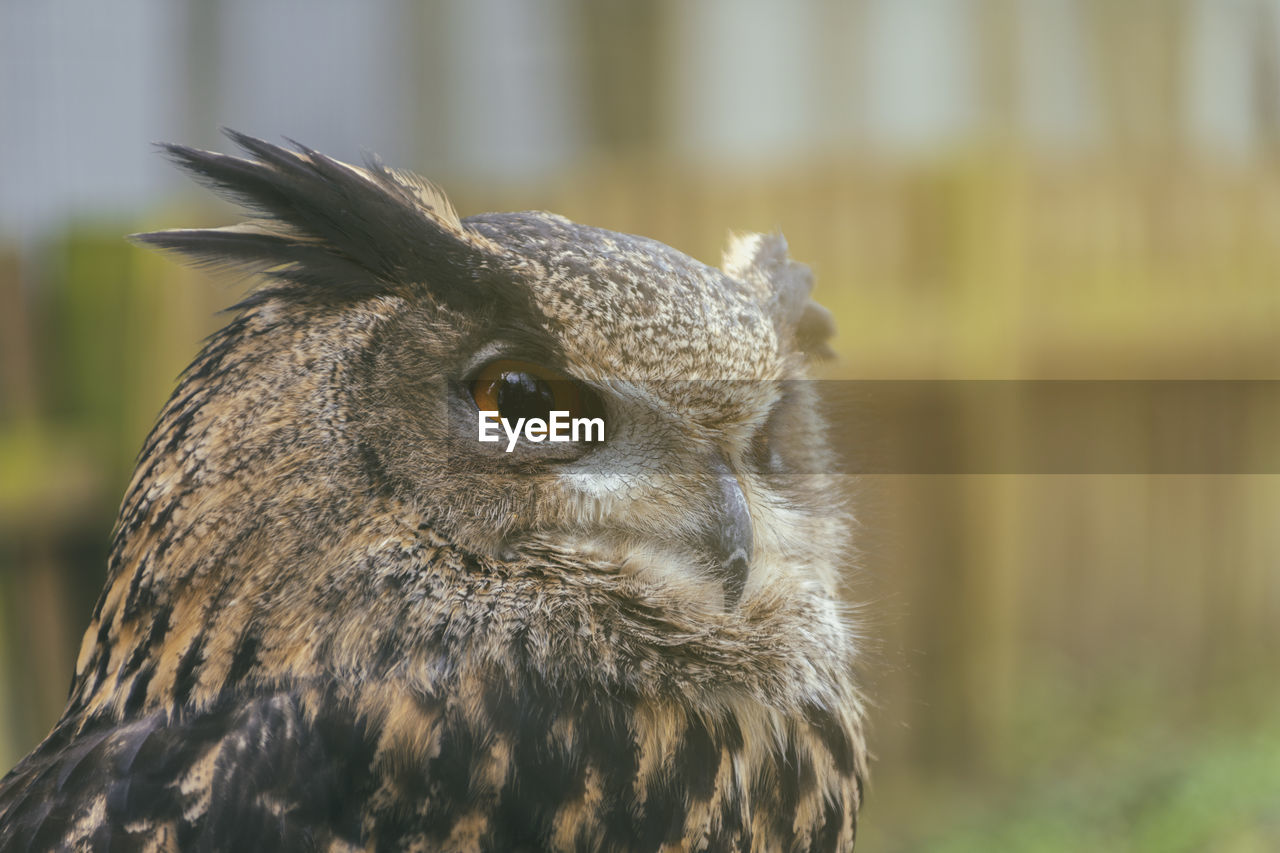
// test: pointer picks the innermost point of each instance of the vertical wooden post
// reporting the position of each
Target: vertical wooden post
(623, 49)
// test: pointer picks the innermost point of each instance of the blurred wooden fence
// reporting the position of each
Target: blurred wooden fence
(1009, 616)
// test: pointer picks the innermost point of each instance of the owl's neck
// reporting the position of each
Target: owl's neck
(242, 487)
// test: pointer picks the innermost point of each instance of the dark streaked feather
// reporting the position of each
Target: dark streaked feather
(274, 255)
(351, 232)
(271, 779)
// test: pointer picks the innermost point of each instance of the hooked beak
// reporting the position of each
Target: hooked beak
(731, 542)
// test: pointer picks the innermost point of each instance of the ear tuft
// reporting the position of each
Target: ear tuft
(760, 262)
(329, 228)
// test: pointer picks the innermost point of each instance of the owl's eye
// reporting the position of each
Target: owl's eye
(520, 389)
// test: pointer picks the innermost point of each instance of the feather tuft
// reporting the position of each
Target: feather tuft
(331, 228)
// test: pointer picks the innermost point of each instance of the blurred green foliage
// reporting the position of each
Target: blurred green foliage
(1217, 794)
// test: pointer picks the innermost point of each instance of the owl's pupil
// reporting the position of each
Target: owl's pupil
(521, 395)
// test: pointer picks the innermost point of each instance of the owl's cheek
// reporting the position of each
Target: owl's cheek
(666, 570)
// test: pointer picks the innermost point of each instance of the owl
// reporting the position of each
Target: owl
(501, 533)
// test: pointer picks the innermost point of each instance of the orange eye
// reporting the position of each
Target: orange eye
(520, 389)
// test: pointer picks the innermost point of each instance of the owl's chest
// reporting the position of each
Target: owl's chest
(498, 770)
(510, 768)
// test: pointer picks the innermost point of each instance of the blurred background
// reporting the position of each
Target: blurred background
(986, 189)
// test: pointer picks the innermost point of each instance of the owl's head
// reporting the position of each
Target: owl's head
(388, 326)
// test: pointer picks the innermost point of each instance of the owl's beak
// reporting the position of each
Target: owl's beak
(732, 542)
